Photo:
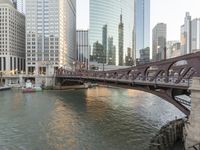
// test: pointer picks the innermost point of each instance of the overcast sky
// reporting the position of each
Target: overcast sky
(171, 12)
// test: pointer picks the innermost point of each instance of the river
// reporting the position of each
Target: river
(90, 119)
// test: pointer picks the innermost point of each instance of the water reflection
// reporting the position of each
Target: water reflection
(98, 118)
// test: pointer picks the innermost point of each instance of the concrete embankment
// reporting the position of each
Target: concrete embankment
(168, 136)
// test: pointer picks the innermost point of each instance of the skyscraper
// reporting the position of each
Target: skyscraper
(173, 49)
(144, 55)
(107, 12)
(186, 35)
(121, 41)
(12, 38)
(142, 25)
(50, 35)
(104, 42)
(159, 42)
(20, 5)
(195, 35)
(82, 46)
(111, 51)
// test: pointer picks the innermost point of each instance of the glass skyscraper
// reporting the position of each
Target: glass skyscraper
(104, 27)
(50, 35)
(142, 25)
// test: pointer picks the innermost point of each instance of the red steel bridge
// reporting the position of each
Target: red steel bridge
(167, 79)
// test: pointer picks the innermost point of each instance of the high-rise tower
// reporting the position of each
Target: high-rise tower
(159, 42)
(121, 41)
(186, 35)
(142, 26)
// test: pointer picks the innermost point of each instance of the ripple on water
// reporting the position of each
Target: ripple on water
(98, 118)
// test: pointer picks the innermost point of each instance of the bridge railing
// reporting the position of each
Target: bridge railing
(170, 80)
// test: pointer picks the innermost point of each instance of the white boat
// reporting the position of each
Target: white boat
(29, 88)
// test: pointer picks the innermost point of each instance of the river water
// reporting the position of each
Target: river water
(93, 119)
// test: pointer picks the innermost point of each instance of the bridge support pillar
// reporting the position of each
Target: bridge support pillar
(192, 140)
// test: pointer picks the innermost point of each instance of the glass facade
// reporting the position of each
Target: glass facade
(159, 35)
(105, 28)
(195, 35)
(142, 25)
(50, 34)
(186, 35)
(82, 46)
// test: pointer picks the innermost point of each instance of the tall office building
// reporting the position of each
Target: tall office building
(111, 51)
(50, 35)
(144, 56)
(107, 12)
(19, 5)
(12, 38)
(159, 42)
(195, 35)
(121, 41)
(173, 49)
(104, 42)
(129, 59)
(142, 26)
(186, 35)
(82, 47)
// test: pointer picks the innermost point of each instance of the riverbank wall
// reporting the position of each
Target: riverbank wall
(168, 136)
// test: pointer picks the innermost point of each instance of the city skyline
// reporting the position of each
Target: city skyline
(108, 22)
(166, 10)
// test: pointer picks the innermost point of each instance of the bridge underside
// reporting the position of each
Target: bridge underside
(166, 93)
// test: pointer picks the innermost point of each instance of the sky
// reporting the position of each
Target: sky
(171, 12)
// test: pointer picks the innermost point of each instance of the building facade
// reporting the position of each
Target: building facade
(142, 26)
(159, 42)
(104, 42)
(50, 35)
(129, 58)
(144, 56)
(195, 35)
(121, 41)
(111, 52)
(19, 5)
(82, 47)
(186, 35)
(12, 38)
(173, 49)
(104, 12)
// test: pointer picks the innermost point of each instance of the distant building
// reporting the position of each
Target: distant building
(12, 38)
(159, 42)
(111, 52)
(142, 25)
(144, 56)
(121, 41)
(20, 5)
(195, 35)
(186, 35)
(104, 41)
(173, 49)
(82, 47)
(129, 58)
(98, 52)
